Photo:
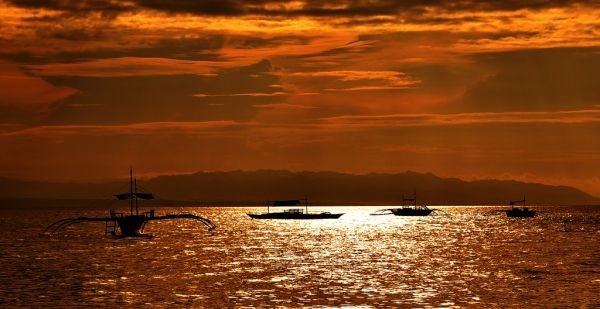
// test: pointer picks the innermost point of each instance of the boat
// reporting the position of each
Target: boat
(407, 209)
(293, 213)
(516, 212)
(415, 210)
(120, 224)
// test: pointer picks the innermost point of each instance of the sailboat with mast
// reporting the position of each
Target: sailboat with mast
(133, 224)
(409, 208)
(293, 213)
(121, 224)
(415, 210)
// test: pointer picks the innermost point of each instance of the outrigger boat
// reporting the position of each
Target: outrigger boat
(406, 209)
(129, 225)
(516, 212)
(293, 213)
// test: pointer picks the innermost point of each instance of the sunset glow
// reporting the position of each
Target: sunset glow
(466, 89)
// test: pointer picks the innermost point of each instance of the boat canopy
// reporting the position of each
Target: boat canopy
(523, 201)
(286, 203)
(140, 195)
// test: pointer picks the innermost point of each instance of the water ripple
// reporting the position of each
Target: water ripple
(467, 258)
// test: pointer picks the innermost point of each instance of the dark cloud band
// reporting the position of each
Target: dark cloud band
(315, 8)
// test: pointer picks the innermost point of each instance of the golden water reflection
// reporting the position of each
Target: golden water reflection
(464, 258)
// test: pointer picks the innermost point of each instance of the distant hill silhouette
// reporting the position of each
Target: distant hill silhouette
(327, 188)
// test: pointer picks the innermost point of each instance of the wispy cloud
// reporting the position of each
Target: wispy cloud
(374, 121)
(402, 120)
(21, 91)
(130, 66)
(351, 80)
(255, 94)
(147, 128)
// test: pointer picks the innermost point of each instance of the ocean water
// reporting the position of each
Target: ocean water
(465, 256)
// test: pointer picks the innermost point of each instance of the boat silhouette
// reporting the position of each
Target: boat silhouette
(516, 212)
(409, 208)
(120, 224)
(293, 213)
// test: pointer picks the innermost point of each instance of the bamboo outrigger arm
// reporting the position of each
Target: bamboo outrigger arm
(60, 225)
(382, 212)
(64, 223)
(132, 224)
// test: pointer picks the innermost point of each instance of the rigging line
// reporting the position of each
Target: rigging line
(123, 188)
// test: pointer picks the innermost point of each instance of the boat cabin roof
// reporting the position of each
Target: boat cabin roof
(294, 211)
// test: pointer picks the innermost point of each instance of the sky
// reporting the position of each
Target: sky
(500, 89)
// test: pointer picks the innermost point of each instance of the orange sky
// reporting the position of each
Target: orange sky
(469, 89)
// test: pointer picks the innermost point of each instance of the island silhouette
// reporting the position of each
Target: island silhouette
(323, 188)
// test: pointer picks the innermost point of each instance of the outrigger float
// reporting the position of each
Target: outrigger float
(127, 225)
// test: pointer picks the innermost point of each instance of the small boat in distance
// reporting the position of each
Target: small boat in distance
(407, 209)
(293, 213)
(415, 210)
(516, 212)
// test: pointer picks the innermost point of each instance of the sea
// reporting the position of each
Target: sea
(457, 257)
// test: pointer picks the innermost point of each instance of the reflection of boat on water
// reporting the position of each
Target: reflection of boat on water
(516, 212)
(409, 208)
(293, 213)
(129, 225)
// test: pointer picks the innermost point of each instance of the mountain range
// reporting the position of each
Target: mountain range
(321, 188)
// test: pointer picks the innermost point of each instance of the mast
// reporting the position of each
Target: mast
(131, 190)
(415, 197)
(136, 198)
(306, 203)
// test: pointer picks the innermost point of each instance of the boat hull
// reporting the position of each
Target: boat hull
(519, 213)
(132, 226)
(411, 212)
(295, 216)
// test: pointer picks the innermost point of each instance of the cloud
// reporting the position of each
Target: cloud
(350, 80)
(334, 124)
(124, 98)
(106, 7)
(39, 92)
(255, 94)
(315, 8)
(205, 128)
(24, 97)
(249, 84)
(536, 79)
(37, 35)
(427, 120)
(130, 66)
(394, 78)
(98, 43)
